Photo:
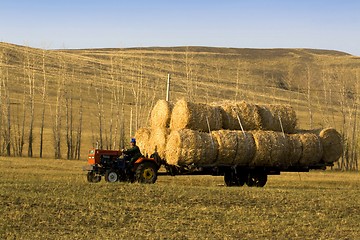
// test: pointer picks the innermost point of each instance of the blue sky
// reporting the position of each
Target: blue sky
(323, 24)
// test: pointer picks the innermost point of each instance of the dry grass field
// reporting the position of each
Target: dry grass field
(50, 199)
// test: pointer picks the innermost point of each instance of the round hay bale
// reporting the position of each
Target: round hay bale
(272, 114)
(185, 147)
(246, 148)
(157, 141)
(142, 137)
(312, 150)
(286, 114)
(234, 113)
(266, 118)
(272, 149)
(295, 149)
(195, 116)
(227, 146)
(332, 145)
(160, 114)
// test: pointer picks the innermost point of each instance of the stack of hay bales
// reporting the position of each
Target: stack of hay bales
(154, 138)
(142, 137)
(193, 133)
(246, 116)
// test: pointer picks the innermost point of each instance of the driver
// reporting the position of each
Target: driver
(133, 153)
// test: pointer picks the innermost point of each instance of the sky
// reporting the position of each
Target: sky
(320, 24)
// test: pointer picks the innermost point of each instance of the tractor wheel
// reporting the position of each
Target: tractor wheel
(146, 173)
(91, 177)
(111, 176)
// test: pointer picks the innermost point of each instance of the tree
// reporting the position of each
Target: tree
(43, 98)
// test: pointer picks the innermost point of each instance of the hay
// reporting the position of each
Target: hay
(186, 147)
(157, 141)
(286, 114)
(195, 116)
(234, 113)
(142, 137)
(257, 117)
(312, 150)
(160, 114)
(295, 150)
(272, 114)
(227, 142)
(272, 149)
(246, 148)
(332, 145)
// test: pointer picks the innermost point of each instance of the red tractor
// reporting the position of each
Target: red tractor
(114, 166)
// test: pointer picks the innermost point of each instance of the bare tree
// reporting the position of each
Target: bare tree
(58, 112)
(309, 99)
(31, 79)
(43, 98)
(6, 111)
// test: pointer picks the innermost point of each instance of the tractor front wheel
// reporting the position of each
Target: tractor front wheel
(93, 178)
(111, 176)
(146, 173)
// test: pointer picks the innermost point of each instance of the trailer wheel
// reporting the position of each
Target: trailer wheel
(241, 179)
(256, 179)
(146, 173)
(111, 176)
(261, 180)
(229, 179)
(91, 177)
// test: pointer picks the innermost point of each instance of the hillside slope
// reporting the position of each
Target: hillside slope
(108, 88)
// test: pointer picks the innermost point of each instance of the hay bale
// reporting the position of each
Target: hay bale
(266, 118)
(271, 115)
(142, 137)
(312, 150)
(234, 113)
(227, 142)
(332, 145)
(286, 114)
(295, 149)
(160, 114)
(272, 149)
(195, 116)
(246, 148)
(185, 147)
(157, 141)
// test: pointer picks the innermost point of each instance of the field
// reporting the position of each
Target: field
(50, 199)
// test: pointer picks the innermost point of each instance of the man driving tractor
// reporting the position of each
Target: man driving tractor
(133, 153)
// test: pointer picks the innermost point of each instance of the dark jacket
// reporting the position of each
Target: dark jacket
(133, 153)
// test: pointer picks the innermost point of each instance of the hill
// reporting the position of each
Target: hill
(113, 90)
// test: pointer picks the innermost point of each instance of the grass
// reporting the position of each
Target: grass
(50, 199)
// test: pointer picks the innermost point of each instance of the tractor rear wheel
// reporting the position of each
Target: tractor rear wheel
(111, 176)
(93, 178)
(146, 173)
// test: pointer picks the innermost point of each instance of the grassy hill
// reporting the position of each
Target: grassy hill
(116, 88)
